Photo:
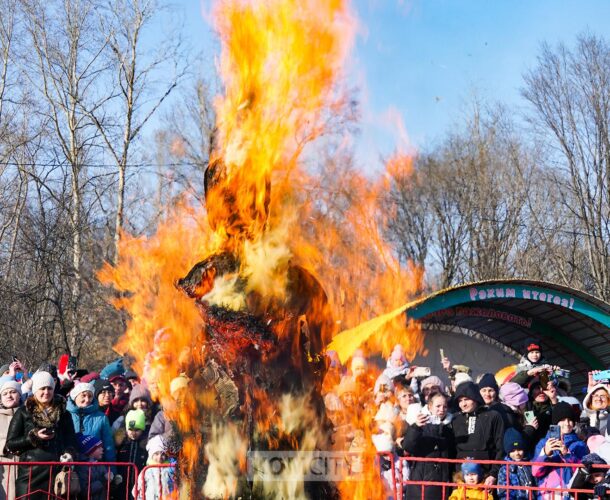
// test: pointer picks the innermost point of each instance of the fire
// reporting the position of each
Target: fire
(281, 257)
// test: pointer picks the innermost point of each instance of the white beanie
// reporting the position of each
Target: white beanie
(155, 444)
(42, 379)
(81, 387)
(10, 384)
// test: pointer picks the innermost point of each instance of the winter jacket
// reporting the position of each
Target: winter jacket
(485, 439)
(23, 441)
(599, 418)
(580, 481)
(511, 418)
(156, 483)
(93, 480)
(525, 365)
(518, 475)
(129, 451)
(7, 473)
(91, 421)
(429, 441)
(161, 425)
(469, 493)
(557, 477)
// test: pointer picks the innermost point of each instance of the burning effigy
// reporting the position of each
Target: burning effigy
(241, 299)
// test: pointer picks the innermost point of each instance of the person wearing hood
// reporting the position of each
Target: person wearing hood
(397, 365)
(478, 431)
(567, 449)
(89, 420)
(430, 436)
(595, 407)
(10, 400)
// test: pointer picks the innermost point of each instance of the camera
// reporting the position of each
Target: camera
(560, 372)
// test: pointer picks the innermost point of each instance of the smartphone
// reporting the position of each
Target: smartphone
(529, 416)
(554, 432)
(421, 372)
(15, 358)
(442, 354)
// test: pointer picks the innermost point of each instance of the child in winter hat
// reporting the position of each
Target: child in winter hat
(472, 475)
(518, 474)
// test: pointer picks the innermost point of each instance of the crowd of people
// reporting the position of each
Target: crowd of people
(65, 413)
(409, 412)
(73, 415)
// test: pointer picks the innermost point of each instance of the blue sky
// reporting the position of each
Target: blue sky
(419, 62)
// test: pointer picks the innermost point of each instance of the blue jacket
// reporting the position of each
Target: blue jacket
(518, 475)
(91, 421)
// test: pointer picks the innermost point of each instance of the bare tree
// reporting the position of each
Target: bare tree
(569, 91)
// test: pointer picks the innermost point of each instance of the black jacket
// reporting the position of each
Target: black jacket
(22, 440)
(430, 441)
(485, 442)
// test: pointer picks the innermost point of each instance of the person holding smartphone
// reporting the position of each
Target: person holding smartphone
(560, 445)
(40, 431)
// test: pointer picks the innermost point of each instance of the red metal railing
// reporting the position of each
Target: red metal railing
(96, 480)
(159, 481)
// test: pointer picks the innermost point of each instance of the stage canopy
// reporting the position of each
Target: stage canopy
(572, 327)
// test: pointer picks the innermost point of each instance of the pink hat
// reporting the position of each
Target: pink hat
(513, 394)
(594, 442)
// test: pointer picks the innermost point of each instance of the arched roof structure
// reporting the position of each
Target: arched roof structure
(572, 327)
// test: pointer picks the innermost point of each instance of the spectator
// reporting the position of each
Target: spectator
(397, 364)
(161, 426)
(94, 479)
(104, 395)
(595, 407)
(157, 482)
(489, 390)
(540, 404)
(478, 431)
(131, 448)
(515, 474)
(404, 397)
(139, 399)
(471, 476)
(430, 385)
(514, 402)
(10, 400)
(40, 431)
(121, 392)
(567, 449)
(588, 477)
(431, 436)
(531, 365)
(89, 420)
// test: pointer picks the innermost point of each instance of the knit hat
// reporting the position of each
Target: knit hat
(155, 444)
(117, 377)
(131, 375)
(562, 411)
(468, 390)
(87, 443)
(80, 388)
(4, 368)
(101, 385)
(398, 354)
(513, 394)
(488, 380)
(382, 382)
(90, 377)
(513, 440)
(593, 459)
(533, 346)
(135, 420)
(10, 384)
(140, 392)
(472, 468)
(114, 368)
(432, 380)
(180, 382)
(594, 442)
(461, 377)
(358, 362)
(42, 379)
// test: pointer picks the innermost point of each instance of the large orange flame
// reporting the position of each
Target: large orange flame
(281, 62)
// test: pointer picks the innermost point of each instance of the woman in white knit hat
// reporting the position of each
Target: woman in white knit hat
(10, 400)
(40, 431)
